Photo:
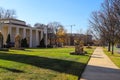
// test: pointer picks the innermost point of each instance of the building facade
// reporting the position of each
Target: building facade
(15, 27)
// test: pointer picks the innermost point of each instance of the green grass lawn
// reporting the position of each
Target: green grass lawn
(42, 64)
(115, 58)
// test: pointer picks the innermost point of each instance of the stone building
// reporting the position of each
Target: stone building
(15, 26)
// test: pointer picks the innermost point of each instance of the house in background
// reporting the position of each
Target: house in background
(15, 26)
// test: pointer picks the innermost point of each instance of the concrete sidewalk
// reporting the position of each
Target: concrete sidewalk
(100, 67)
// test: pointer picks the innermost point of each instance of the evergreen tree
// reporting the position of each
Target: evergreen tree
(42, 43)
(8, 41)
(24, 43)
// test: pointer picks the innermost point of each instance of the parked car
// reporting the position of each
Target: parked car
(11, 44)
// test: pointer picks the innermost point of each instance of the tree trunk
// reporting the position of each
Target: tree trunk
(112, 48)
(109, 47)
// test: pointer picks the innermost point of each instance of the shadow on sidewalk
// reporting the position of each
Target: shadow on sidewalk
(100, 73)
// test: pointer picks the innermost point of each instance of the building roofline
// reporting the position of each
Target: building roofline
(13, 19)
(18, 24)
(24, 26)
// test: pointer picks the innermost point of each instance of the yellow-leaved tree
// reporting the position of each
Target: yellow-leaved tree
(61, 34)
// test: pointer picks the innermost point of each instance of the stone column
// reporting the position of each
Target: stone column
(10, 32)
(9, 29)
(24, 32)
(41, 34)
(17, 30)
(46, 37)
(37, 38)
(1, 27)
(30, 38)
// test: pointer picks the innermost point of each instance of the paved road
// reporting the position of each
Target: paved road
(100, 67)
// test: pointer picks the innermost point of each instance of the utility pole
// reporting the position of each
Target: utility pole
(71, 37)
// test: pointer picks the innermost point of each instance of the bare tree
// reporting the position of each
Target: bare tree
(7, 13)
(54, 27)
(105, 23)
(39, 25)
(116, 7)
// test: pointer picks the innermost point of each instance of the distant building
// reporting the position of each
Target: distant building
(69, 39)
(15, 26)
(87, 39)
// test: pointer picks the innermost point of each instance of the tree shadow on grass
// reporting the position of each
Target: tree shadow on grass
(63, 66)
(12, 70)
(28, 50)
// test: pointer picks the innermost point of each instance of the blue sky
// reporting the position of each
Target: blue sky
(67, 12)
